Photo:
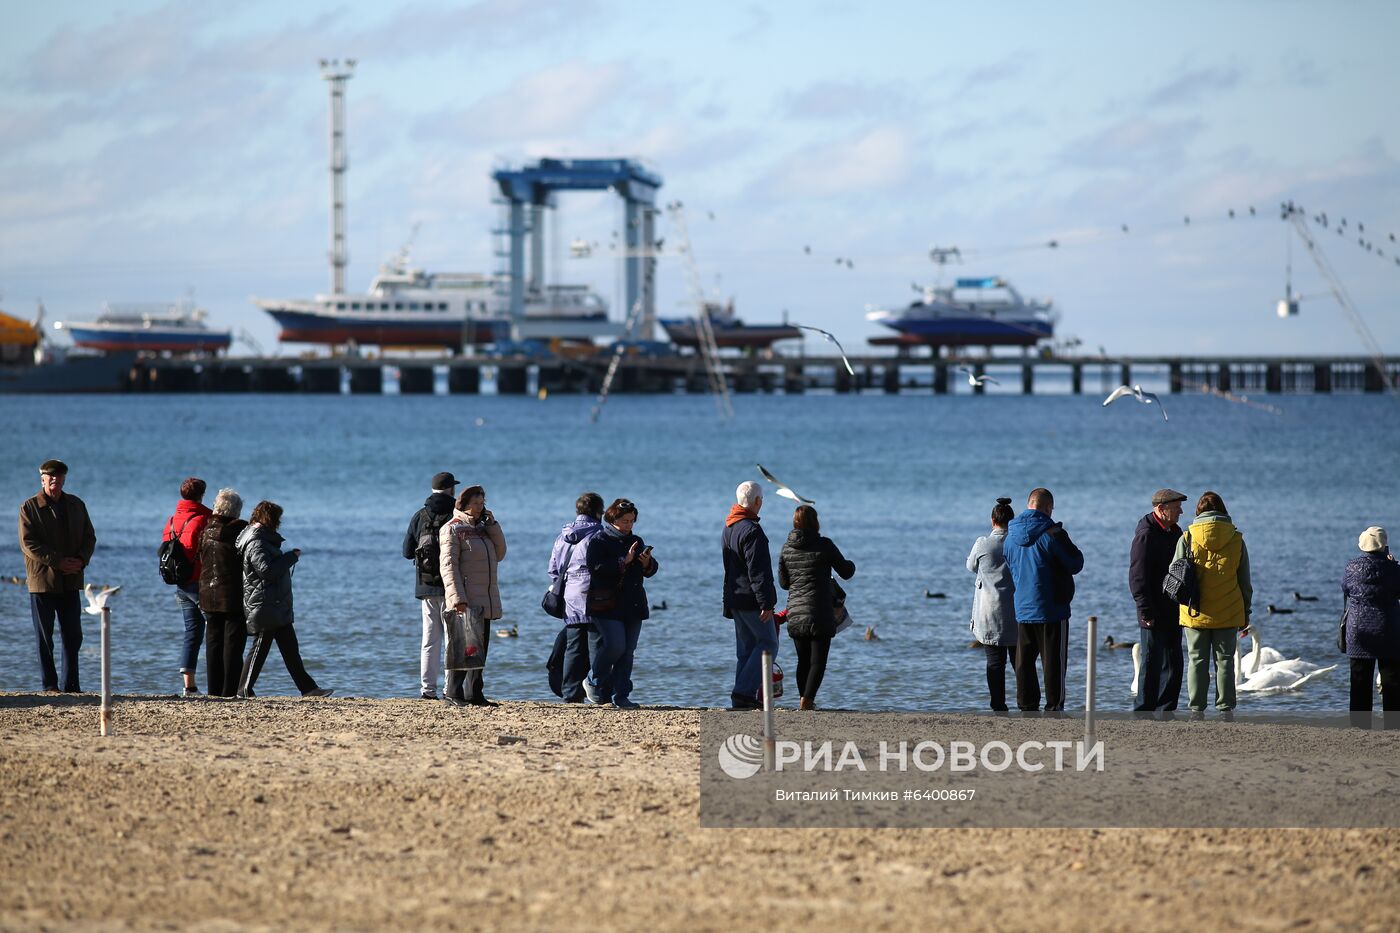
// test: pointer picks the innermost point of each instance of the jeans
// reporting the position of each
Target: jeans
(1363, 684)
(811, 665)
(1201, 645)
(225, 637)
(997, 658)
(576, 663)
(752, 637)
(44, 607)
(1159, 683)
(612, 645)
(1043, 640)
(286, 639)
(430, 657)
(187, 597)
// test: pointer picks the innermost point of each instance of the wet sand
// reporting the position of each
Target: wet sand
(281, 813)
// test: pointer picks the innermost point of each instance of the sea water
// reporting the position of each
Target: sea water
(903, 484)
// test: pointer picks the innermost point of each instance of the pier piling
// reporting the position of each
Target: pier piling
(416, 380)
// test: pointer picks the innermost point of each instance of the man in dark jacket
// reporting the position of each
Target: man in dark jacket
(57, 539)
(420, 545)
(1043, 562)
(749, 595)
(1154, 543)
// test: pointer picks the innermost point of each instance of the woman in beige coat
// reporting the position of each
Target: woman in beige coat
(469, 548)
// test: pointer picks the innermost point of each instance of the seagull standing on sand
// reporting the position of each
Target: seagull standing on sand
(783, 489)
(975, 380)
(829, 336)
(1147, 398)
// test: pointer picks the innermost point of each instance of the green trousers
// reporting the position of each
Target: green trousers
(1201, 644)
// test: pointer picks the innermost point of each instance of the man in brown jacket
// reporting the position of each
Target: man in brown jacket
(57, 539)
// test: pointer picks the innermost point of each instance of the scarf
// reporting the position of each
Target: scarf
(606, 528)
(737, 513)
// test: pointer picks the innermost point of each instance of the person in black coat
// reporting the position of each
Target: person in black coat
(420, 545)
(1154, 544)
(618, 562)
(221, 594)
(805, 565)
(749, 594)
(1371, 591)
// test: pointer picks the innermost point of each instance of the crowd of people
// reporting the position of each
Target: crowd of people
(233, 581)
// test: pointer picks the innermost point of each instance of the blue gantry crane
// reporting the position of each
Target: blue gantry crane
(532, 188)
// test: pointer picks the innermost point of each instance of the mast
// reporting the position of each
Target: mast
(336, 73)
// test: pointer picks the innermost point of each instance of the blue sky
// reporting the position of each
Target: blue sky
(152, 148)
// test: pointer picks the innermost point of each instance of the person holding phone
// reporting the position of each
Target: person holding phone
(618, 563)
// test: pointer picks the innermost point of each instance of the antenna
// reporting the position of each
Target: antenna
(336, 73)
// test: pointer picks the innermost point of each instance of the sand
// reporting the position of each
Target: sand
(280, 813)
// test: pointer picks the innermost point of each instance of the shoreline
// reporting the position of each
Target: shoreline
(331, 813)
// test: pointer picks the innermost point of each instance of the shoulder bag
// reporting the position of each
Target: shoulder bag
(1180, 584)
(553, 601)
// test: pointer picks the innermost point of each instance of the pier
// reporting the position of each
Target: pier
(756, 374)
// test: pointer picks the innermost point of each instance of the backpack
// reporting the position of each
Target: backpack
(425, 557)
(173, 560)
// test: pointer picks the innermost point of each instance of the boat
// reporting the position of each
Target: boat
(971, 312)
(173, 328)
(408, 307)
(729, 330)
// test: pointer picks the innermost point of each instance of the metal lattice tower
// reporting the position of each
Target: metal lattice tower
(337, 73)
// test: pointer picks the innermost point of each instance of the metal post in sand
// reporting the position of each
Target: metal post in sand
(1089, 679)
(106, 714)
(770, 739)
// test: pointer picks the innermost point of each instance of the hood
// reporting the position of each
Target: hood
(257, 531)
(1025, 529)
(1213, 530)
(803, 540)
(225, 531)
(580, 528)
(185, 509)
(439, 503)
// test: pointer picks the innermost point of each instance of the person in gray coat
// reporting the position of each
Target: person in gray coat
(993, 603)
(267, 600)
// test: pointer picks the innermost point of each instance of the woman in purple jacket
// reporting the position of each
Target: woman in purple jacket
(1371, 587)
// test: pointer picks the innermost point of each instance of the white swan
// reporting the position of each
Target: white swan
(1137, 667)
(1260, 657)
(1275, 680)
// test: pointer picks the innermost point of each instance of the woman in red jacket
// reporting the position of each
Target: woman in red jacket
(191, 515)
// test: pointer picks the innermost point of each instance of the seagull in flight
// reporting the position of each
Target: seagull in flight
(828, 335)
(783, 490)
(975, 380)
(1147, 398)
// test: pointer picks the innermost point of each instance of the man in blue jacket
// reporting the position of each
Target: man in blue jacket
(1043, 562)
(749, 594)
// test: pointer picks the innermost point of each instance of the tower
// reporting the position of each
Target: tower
(336, 73)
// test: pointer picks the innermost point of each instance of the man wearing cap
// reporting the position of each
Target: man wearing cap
(1154, 543)
(420, 545)
(57, 539)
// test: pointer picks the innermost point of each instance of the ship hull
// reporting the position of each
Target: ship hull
(401, 331)
(149, 339)
(74, 375)
(682, 332)
(965, 331)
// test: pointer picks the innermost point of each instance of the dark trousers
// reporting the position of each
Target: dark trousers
(1040, 640)
(997, 658)
(458, 683)
(576, 661)
(811, 664)
(1159, 681)
(44, 607)
(1363, 684)
(225, 637)
(286, 639)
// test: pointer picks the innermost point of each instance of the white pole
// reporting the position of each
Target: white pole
(770, 746)
(106, 716)
(1089, 679)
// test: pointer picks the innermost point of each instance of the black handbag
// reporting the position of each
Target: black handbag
(553, 601)
(1342, 629)
(1180, 584)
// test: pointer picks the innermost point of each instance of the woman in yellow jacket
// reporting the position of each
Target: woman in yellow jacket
(1222, 572)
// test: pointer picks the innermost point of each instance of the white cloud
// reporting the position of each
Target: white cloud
(561, 100)
(871, 160)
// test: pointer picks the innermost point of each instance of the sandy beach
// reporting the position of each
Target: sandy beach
(281, 813)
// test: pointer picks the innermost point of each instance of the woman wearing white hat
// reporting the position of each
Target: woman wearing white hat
(1371, 587)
